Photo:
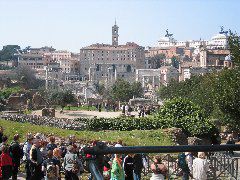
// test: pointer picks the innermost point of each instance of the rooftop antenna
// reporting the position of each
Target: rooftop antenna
(115, 22)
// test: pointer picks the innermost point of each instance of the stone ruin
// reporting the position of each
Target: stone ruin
(38, 101)
(49, 112)
(177, 135)
(16, 102)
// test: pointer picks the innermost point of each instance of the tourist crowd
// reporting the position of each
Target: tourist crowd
(50, 158)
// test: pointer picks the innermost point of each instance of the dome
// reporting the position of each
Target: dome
(219, 36)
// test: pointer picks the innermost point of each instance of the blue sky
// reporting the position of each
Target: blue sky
(72, 24)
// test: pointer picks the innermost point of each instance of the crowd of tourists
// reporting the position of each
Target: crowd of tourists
(142, 110)
(50, 158)
(62, 123)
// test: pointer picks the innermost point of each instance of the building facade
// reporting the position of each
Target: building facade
(208, 60)
(104, 62)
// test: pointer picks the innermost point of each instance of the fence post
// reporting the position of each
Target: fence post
(95, 171)
(96, 166)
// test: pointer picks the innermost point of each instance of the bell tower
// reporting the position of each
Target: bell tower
(115, 34)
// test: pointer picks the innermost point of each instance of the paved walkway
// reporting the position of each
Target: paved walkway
(76, 114)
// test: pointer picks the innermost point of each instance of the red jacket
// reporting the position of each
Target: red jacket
(5, 160)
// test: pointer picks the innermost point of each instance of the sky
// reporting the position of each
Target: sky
(73, 24)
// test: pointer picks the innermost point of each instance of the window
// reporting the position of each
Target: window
(129, 69)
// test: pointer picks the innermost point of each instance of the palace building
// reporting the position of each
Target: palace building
(107, 62)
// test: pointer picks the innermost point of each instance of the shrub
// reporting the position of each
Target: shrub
(182, 113)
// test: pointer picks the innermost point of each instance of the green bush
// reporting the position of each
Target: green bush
(179, 113)
(6, 92)
(184, 114)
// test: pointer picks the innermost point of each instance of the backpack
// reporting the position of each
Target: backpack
(51, 172)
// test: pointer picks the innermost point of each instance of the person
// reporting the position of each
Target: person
(63, 148)
(189, 160)
(43, 149)
(51, 145)
(71, 164)
(119, 143)
(127, 109)
(50, 168)
(158, 168)
(4, 141)
(72, 140)
(56, 158)
(139, 110)
(106, 166)
(26, 154)
(1, 133)
(36, 160)
(200, 167)
(117, 172)
(230, 140)
(16, 153)
(99, 107)
(128, 167)
(123, 109)
(6, 164)
(137, 166)
(183, 165)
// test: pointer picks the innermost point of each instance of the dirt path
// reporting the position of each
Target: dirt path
(76, 114)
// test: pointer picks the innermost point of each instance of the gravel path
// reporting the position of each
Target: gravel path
(76, 114)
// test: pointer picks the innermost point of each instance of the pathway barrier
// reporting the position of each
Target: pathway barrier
(220, 162)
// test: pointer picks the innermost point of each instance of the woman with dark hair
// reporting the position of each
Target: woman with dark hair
(158, 168)
(16, 152)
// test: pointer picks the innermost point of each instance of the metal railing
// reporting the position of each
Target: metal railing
(219, 163)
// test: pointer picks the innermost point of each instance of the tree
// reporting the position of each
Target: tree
(234, 47)
(6, 92)
(198, 89)
(184, 114)
(8, 52)
(123, 91)
(27, 76)
(157, 61)
(137, 89)
(62, 98)
(100, 88)
(227, 97)
(175, 62)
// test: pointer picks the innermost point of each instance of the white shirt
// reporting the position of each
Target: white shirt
(200, 168)
(118, 145)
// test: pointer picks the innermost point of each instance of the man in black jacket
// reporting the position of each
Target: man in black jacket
(137, 166)
(16, 153)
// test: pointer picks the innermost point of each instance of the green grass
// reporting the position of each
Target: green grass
(131, 138)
